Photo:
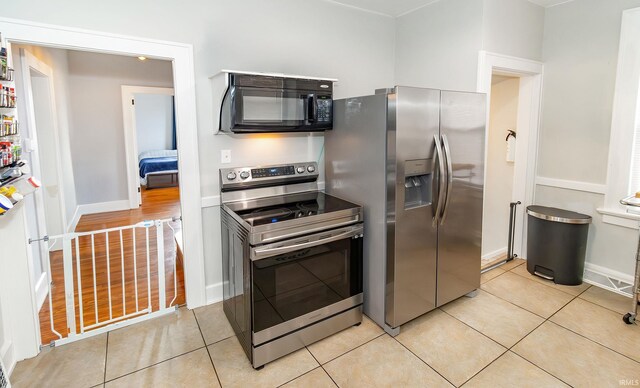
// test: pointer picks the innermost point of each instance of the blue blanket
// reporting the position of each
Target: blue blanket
(149, 165)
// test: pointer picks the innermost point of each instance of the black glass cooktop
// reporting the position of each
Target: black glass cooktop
(288, 207)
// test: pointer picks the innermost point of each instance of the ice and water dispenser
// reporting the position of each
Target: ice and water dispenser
(417, 183)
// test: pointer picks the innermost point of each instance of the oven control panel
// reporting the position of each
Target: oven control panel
(236, 178)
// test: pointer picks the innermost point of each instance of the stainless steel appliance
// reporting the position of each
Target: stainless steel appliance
(255, 102)
(292, 259)
(415, 159)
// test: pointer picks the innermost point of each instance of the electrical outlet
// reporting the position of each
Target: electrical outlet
(225, 156)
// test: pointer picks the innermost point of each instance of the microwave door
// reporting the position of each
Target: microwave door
(256, 108)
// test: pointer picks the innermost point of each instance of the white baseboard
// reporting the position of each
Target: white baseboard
(210, 201)
(74, 221)
(103, 207)
(8, 357)
(42, 290)
(610, 279)
(495, 254)
(93, 208)
(214, 293)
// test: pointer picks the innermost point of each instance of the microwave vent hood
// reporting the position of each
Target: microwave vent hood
(251, 102)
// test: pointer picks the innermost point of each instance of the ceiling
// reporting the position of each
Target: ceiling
(400, 7)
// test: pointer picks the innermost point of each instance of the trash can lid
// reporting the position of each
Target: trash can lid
(558, 215)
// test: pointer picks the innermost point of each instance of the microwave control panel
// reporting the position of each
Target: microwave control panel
(324, 109)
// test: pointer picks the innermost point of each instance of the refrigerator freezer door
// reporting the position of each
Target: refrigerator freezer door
(462, 126)
(413, 120)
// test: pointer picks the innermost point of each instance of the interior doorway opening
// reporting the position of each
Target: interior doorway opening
(150, 140)
(503, 73)
(102, 262)
(21, 306)
(501, 138)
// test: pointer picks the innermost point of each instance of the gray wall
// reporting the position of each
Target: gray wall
(97, 134)
(154, 122)
(281, 36)
(580, 52)
(513, 27)
(437, 45)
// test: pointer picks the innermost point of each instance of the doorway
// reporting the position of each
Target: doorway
(150, 141)
(501, 136)
(510, 175)
(45, 208)
(109, 266)
(181, 56)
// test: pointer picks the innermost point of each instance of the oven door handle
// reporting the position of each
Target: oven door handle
(322, 238)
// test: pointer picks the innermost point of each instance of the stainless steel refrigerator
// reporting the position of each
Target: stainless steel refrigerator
(414, 158)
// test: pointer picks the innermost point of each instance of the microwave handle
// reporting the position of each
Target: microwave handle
(312, 108)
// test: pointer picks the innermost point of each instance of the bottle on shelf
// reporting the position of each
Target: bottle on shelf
(4, 103)
(6, 73)
(9, 153)
(5, 204)
(8, 97)
(9, 126)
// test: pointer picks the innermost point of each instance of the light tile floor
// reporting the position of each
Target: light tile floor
(519, 331)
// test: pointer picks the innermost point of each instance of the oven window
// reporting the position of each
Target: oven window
(294, 284)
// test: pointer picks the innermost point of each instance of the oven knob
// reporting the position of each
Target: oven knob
(244, 174)
(300, 170)
(311, 169)
(231, 176)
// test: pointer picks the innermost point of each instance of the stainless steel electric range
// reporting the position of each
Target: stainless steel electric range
(292, 259)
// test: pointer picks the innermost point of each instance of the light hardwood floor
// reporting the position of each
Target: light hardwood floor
(120, 272)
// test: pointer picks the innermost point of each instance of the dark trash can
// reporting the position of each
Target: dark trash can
(556, 244)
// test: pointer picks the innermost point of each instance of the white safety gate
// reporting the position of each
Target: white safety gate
(110, 278)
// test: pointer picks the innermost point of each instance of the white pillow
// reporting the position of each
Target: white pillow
(157, 154)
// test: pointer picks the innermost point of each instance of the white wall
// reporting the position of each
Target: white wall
(499, 173)
(437, 45)
(6, 343)
(154, 121)
(16, 287)
(97, 134)
(513, 27)
(580, 53)
(311, 37)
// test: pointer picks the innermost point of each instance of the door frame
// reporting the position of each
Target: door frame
(31, 33)
(528, 126)
(29, 63)
(131, 139)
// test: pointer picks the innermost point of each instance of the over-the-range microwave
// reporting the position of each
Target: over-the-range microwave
(263, 102)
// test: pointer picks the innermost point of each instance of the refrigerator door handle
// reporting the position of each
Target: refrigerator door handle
(447, 158)
(440, 183)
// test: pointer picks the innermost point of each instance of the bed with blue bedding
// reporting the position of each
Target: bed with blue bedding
(158, 168)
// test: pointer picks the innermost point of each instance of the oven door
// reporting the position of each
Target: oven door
(301, 281)
(268, 110)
